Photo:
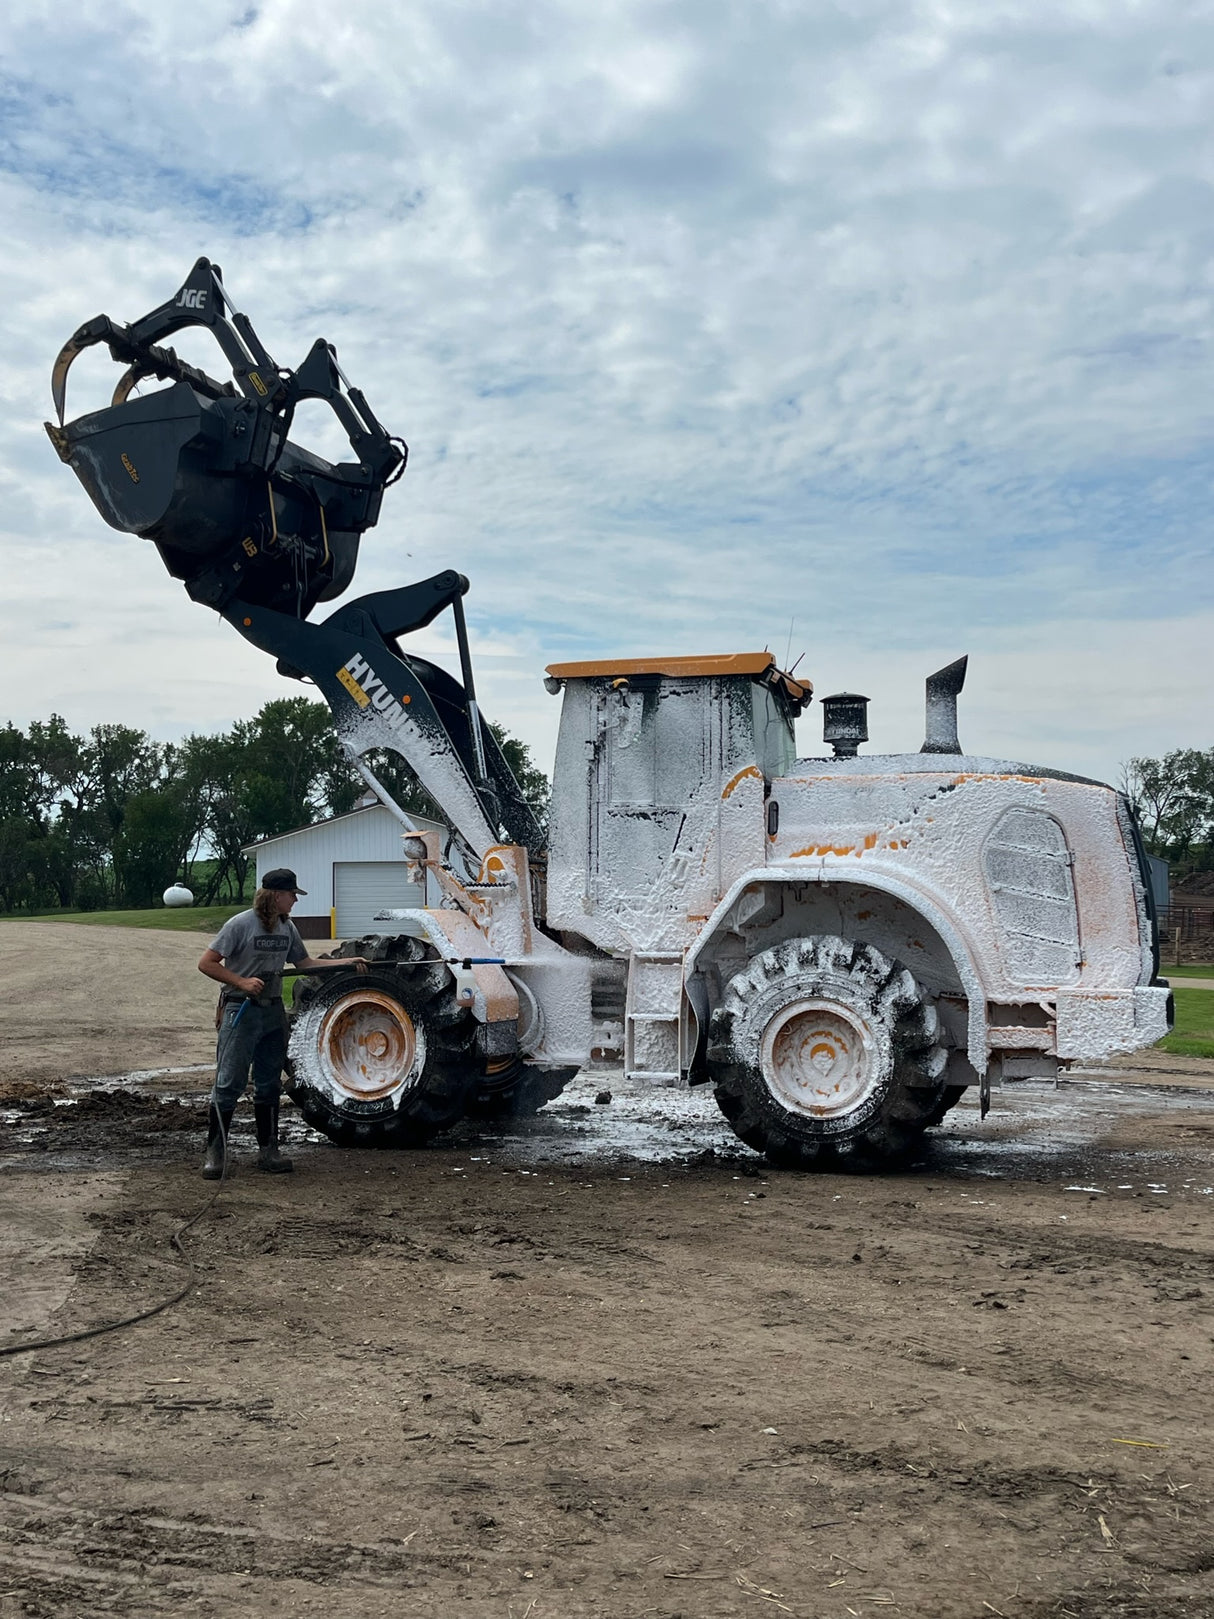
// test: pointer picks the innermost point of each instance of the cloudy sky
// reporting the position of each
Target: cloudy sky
(878, 332)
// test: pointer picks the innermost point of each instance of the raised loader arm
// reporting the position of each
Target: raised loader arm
(383, 698)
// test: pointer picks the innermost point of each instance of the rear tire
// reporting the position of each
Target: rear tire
(382, 1058)
(950, 1096)
(826, 1054)
(516, 1091)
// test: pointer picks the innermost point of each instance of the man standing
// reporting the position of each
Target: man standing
(248, 957)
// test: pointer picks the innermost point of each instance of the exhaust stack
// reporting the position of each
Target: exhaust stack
(942, 690)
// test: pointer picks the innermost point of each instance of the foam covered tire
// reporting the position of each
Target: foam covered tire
(513, 1090)
(381, 1058)
(826, 1054)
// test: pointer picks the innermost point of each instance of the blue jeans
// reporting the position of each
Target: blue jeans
(249, 1036)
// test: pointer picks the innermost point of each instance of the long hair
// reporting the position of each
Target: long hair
(265, 906)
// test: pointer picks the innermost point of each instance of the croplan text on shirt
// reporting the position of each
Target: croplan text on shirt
(251, 950)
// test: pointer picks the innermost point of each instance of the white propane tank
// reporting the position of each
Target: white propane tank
(177, 895)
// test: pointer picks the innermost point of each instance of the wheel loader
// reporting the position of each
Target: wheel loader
(840, 946)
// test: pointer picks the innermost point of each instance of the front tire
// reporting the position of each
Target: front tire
(826, 1054)
(382, 1058)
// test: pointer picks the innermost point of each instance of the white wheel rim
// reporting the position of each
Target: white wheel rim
(820, 1059)
(369, 1046)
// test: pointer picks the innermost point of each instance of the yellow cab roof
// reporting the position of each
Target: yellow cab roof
(714, 663)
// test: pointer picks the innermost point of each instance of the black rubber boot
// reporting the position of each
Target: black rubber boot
(265, 1115)
(218, 1126)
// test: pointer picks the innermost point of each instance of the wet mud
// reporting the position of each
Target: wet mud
(607, 1362)
(1034, 1131)
(604, 1364)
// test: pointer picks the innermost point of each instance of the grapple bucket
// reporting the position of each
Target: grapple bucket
(206, 470)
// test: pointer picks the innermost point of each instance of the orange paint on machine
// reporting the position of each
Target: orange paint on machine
(858, 849)
(732, 783)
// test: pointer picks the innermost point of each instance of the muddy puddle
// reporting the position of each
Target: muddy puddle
(1044, 1134)
(1066, 1136)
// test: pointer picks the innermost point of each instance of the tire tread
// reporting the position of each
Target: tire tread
(870, 983)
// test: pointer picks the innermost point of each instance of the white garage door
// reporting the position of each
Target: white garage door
(362, 887)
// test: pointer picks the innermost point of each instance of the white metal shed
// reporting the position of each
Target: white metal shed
(351, 866)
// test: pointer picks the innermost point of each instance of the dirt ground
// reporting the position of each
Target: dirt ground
(605, 1364)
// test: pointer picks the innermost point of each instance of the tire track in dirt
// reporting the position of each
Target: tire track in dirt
(578, 1381)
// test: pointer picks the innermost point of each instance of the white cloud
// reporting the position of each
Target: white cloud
(895, 319)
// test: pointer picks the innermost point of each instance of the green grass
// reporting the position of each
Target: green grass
(1193, 1035)
(180, 919)
(1191, 969)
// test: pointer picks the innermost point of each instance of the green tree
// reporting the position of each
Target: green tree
(1174, 798)
(117, 763)
(64, 804)
(210, 769)
(57, 758)
(533, 783)
(38, 771)
(19, 797)
(21, 823)
(150, 848)
(291, 759)
(20, 866)
(113, 817)
(281, 769)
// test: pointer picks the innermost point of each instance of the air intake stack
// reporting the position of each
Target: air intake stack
(845, 722)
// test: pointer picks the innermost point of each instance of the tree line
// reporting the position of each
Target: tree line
(111, 818)
(1174, 798)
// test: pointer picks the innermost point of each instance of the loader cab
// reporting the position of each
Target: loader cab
(658, 788)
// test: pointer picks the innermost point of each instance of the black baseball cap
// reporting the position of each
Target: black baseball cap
(282, 877)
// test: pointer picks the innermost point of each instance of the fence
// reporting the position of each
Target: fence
(1190, 920)
(1186, 933)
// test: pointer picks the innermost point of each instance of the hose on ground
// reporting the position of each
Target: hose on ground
(152, 1309)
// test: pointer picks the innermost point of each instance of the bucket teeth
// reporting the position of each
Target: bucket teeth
(59, 439)
(130, 378)
(76, 344)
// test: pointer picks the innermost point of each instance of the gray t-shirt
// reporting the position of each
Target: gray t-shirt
(251, 951)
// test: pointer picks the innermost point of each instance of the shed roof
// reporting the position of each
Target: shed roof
(423, 821)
